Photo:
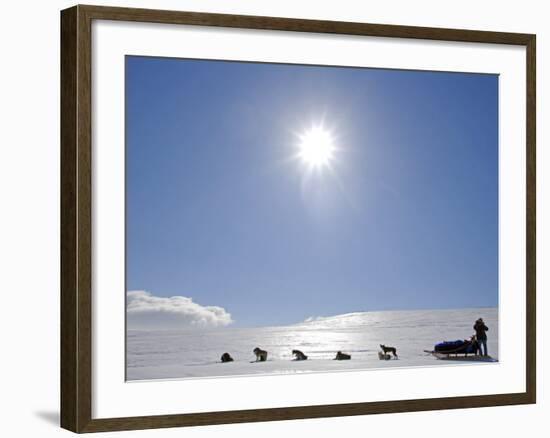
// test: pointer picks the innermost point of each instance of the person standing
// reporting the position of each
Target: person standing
(481, 336)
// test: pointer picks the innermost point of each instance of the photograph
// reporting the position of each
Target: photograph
(292, 218)
(274, 219)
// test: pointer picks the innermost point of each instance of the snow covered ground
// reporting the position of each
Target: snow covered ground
(166, 354)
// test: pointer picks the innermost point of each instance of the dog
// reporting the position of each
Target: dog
(475, 345)
(299, 355)
(261, 355)
(342, 356)
(226, 357)
(387, 350)
(383, 356)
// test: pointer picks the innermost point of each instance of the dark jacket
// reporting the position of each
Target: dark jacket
(480, 329)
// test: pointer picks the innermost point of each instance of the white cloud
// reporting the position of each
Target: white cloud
(147, 311)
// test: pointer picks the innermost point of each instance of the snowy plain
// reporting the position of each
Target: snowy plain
(188, 353)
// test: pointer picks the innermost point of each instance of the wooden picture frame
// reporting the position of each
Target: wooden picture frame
(76, 218)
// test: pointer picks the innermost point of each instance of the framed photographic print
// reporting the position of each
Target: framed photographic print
(341, 215)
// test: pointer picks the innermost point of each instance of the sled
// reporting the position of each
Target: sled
(458, 351)
(461, 357)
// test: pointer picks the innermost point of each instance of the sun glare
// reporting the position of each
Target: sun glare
(316, 147)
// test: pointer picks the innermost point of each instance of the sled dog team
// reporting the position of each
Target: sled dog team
(261, 355)
(479, 340)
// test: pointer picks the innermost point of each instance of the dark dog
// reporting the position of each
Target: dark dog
(342, 356)
(475, 345)
(387, 350)
(261, 355)
(299, 355)
(226, 357)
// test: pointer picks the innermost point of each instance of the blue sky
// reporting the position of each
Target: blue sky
(218, 208)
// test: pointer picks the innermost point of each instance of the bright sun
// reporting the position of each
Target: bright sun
(316, 147)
